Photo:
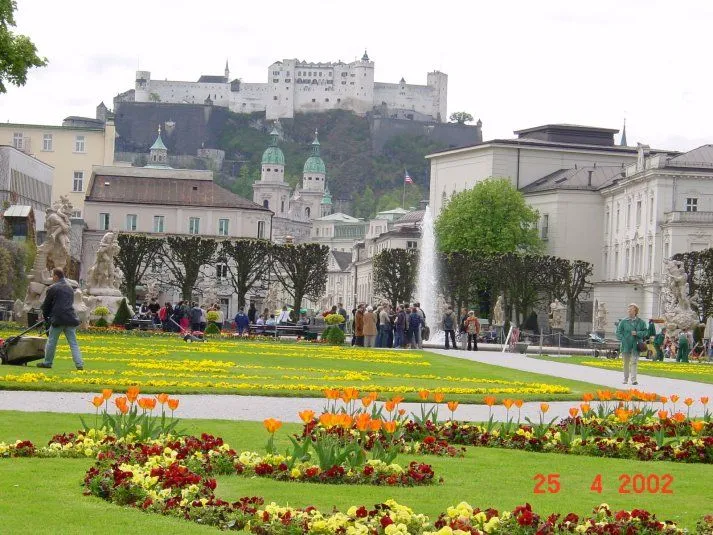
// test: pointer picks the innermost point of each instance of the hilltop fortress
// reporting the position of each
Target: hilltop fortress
(295, 86)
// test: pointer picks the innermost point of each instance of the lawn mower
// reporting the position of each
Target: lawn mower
(19, 350)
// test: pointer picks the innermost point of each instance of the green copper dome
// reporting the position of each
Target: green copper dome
(314, 163)
(273, 154)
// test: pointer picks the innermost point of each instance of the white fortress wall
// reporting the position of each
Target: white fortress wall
(406, 96)
(250, 98)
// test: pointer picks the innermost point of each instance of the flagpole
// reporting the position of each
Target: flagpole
(403, 197)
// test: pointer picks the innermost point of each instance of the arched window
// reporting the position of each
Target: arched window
(266, 203)
(307, 211)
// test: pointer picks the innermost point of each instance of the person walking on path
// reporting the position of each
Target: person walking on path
(369, 328)
(684, 346)
(658, 344)
(472, 327)
(359, 326)
(462, 329)
(58, 311)
(449, 322)
(630, 332)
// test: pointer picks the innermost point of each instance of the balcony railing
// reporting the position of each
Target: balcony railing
(688, 217)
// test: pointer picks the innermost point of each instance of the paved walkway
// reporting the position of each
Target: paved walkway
(257, 408)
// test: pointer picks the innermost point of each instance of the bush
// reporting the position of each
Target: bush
(101, 322)
(333, 319)
(102, 312)
(212, 315)
(123, 315)
(333, 335)
(212, 329)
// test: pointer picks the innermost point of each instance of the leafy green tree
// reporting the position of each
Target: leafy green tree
(570, 279)
(364, 205)
(18, 53)
(490, 218)
(301, 270)
(184, 257)
(138, 252)
(395, 272)
(249, 264)
(460, 117)
(13, 282)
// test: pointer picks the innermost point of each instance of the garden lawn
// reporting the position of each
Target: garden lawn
(229, 366)
(45, 496)
(701, 372)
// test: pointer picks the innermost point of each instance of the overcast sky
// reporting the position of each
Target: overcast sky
(512, 64)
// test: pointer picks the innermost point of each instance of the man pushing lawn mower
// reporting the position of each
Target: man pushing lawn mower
(58, 311)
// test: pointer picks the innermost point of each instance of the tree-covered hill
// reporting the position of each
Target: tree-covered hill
(355, 172)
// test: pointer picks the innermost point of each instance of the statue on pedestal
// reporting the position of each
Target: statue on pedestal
(678, 303)
(101, 278)
(557, 315)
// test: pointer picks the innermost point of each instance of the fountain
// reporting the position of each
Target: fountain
(427, 288)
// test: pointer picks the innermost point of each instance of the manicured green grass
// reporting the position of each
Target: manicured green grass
(227, 366)
(701, 372)
(44, 496)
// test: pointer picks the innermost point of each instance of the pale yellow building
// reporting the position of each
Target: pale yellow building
(70, 150)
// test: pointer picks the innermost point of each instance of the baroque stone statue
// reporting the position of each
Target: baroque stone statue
(101, 278)
(678, 310)
(499, 312)
(600, 317)
(557, 315)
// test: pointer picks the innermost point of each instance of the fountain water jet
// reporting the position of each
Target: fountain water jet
(427, 287)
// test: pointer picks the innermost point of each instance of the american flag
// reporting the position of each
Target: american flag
(407, 178)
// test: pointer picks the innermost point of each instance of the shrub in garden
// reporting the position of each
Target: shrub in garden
(333, 335)
(212, 329)
(123, 315)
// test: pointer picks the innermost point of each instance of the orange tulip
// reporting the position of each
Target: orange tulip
(98, 401)
(402, 412)
(390, 406)
(604, 395)
(704, 400)
(587, 397)
(508, 403)
(489, 400)
(306, 416)
(622, 415)
(573, 411)
(123, 408)
(397, 399)
(438, 397)
(585, 408)
(344, 421)
(688, 401)
(272, 425)
(518, 403)
(452, 405)
(389, 426)
(331, 393)
(362, 422)
(366, 401)
(675, 398)
(162, 398)
(663, 399)
(120, 402)
(697, 425)
(374, 425)
(373, 395)
(544, 407)
(349, 394)
(663, 415)
(147, 403)
(173, 404)
(106, 393)
(132, 393)
(679, 417)
(424, 394)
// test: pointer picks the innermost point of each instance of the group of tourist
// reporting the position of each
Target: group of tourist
(184, 316)
(385, 326)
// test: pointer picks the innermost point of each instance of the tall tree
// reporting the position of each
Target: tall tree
(301, 270)
(250, 261)
(138, 252)
(490, 218)
(575, 282)
(13, 265)
(18, 54)
(184, 257)
(395, 272)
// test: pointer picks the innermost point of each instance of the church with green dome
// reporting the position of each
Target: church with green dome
(294, 209)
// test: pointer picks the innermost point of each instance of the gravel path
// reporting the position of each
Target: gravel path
(257, 408)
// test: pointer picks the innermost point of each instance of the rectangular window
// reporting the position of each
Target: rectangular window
(627, 262)
(79, 144)
(606, 222)
(616, 265)
(606, 264)
(17, 141)
(628, 215)
(132, 222)
(411, 245)
(638, 213)
(47, 142)
(223, 227)
(158, 223)
(78, 181)
(650, 263)
(618, 213)
(545, 226)
(194, 225)
(691, 204)
(76, 214)
(260, 229)
(103, 221)
(221, 270)
(651, 209)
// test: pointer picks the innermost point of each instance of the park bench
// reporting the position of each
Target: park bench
(308, 332)
(143, 325)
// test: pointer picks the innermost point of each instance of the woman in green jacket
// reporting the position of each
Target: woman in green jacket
(630, 331)
(683, 346)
